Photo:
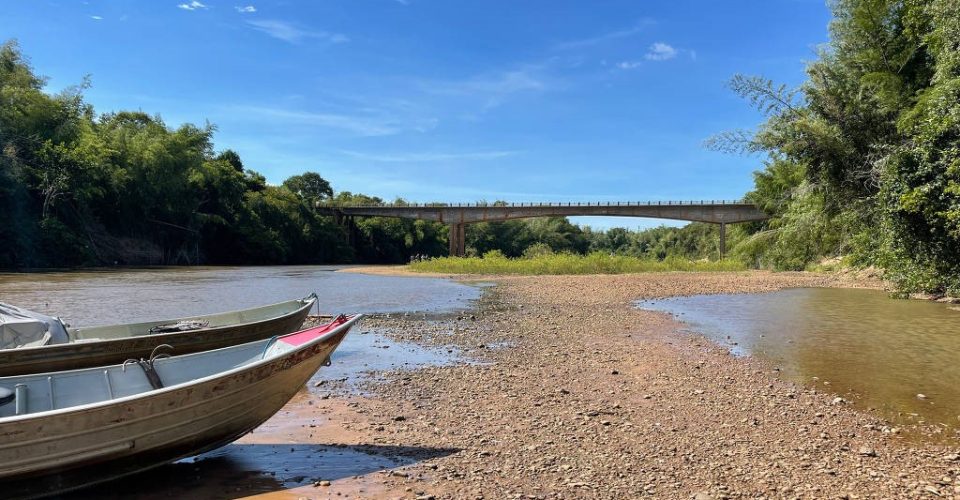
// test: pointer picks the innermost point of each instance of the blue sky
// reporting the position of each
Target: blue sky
(442, 100)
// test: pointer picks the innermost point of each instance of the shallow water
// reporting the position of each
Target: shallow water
(881, 352)
(366, 353)
(89, 298)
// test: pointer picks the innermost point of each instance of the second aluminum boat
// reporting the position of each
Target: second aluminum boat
(34, 343)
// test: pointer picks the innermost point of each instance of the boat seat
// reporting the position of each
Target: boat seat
(42, 341)
(6, 396)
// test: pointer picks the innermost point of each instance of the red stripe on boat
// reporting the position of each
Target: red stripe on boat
(304, 336)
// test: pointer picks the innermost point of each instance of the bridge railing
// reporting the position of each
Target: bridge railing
(534, 204)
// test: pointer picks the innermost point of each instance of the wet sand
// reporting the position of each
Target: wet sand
(574, 393)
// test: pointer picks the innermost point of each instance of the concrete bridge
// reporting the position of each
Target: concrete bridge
(457, 216)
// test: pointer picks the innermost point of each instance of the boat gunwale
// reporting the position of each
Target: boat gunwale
(311, 300)
(223, 374)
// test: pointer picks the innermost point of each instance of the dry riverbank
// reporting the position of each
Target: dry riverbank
(588, 397)
(579, 395)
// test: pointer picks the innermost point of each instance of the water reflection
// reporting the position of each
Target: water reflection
(882, 351)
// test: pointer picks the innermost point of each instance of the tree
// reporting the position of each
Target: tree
(309, 186)
(861, 157)
(230, 156)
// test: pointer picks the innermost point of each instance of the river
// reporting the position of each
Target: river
(901, 357)
(89, 298)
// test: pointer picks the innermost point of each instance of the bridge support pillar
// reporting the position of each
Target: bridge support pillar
(458, 240)
(723, 240)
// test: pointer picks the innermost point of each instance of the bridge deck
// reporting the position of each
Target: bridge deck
(714, 211)
(721, 212)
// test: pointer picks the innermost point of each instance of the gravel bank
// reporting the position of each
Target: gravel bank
(584, 396)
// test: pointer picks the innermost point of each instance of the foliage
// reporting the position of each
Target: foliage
(125, 188)
(495, 262)
(863, 157)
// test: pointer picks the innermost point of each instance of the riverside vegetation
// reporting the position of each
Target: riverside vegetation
(861, 165)
(494, 262)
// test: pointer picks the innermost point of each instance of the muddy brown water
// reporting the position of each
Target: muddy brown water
(90, 298)
(876, 351)
(282, 453)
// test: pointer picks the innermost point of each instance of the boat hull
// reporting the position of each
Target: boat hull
(45, 456)
(75, 355)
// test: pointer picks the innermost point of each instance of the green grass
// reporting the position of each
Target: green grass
(595, 263)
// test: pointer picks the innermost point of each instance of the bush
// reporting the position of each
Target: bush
(537, 250)
(494, 262)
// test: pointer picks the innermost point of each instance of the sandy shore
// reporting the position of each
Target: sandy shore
(398, 270)
(580, 395)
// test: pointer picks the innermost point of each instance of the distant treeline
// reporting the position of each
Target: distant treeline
(79, 188)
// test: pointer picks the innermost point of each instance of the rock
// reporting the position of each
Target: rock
(838, 401)
(931, 489)
(867, 451)
(399, 418)
(921, 396)
(702, 495)
(321, 483)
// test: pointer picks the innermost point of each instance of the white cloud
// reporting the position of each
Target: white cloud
(629, 64)
(248, 9)
(194, 5)
(294, 34)
(489, 90)
(660, 52)
(604, 37)
(429, 157)
(495, 84)
(371, 124)
(96, 18)
(507, 82)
